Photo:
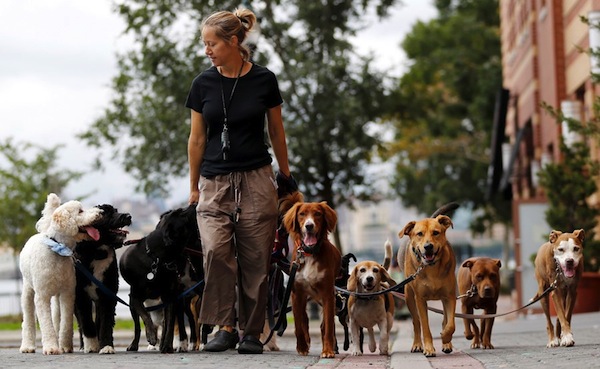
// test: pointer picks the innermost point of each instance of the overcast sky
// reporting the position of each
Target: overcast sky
(57, 58)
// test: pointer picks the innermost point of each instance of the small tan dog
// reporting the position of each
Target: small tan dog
(366, 312)
(560, 260)
(429, 250)
(479, 288)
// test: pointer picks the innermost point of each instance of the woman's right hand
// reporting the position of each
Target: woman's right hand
(194, 197)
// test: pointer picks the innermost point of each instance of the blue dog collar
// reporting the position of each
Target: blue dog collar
(57, 247)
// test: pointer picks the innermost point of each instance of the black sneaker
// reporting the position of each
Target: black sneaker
(250, 345)
(223, 341)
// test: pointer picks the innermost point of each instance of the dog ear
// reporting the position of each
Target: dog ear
(351, 285)
(289, 219)
(407, 229)
(580, 235)
(330, 216)
(468, 263)
(498, 263)
(554, 236)
(445, 221)
(62, 222)
(385, 276)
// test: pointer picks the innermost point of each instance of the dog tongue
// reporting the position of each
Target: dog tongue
(93, 232)
(569, 272)
(310, 239)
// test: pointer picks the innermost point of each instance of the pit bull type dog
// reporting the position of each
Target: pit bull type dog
(479, 287)
(560, 261)
(430, 252)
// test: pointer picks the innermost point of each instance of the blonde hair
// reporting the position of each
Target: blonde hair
(228, 24)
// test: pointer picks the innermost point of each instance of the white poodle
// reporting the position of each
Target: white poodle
(48, 270)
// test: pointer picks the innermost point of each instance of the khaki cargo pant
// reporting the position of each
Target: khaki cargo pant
(237, 252)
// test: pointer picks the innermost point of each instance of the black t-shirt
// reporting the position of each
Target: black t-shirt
(255, 93)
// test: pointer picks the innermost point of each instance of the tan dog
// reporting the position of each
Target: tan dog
(309, 224)
(561, 260)
(429, 249)
(479, 288)
(366, 312)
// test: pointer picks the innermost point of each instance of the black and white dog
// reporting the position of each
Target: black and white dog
(157, 266)
(99, 259)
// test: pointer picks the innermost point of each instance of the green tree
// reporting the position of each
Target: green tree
(330, 95)
(443, 110)
(27, 175)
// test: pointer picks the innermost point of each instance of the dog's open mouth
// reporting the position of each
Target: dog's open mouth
(91, 231)
(310, 239)
(120, 231)
(368, 287)
(568, 269)
(429, 256)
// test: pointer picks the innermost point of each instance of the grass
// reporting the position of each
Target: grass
(13, 323)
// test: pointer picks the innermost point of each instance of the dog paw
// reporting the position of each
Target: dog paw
(567, 340)
(356, 352)
(469, 335)
(429, 353)
(51, 351)
(447, 348)
(487, 345)
(416, 348)
(271, 347)
(327, 354)
(384, 352)
(67, 350)
(475, 345)
(107, 350)
(553, 343)
(372, 346)
(90, 345)
(302, 353)
(152, 347)
(27, 349)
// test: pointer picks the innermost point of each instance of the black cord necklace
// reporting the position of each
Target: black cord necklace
(225, 144)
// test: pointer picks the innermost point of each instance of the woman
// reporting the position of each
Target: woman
(232, 180)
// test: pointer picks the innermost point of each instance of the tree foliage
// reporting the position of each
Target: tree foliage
(443, 107)
(27, 175)
(330, 94)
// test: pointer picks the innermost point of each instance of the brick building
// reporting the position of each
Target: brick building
(543, 61)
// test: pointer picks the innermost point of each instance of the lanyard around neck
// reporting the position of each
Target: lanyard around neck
(230, 95)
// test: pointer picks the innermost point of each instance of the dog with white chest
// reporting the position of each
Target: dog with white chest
(560, 261)
(366, 312)
(48, 271)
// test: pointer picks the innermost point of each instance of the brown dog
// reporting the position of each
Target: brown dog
(366, 312)
(479, 287)
(430, 252)
(560, 260)
(309, 224)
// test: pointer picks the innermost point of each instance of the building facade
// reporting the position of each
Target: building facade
(544, 61)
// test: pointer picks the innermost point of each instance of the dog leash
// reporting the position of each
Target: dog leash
(394, 288)
(551, 288)
(283, 309)
(97, 282)
(110, 293)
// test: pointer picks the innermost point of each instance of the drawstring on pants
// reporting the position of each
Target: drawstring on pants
(235, 179)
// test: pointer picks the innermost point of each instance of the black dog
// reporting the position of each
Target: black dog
(155, 267)
(341, 302)
(99, 259)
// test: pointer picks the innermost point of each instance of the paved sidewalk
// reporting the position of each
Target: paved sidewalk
(519, 342)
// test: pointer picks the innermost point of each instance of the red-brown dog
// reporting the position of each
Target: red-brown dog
(560, 260)
(479, 288)
(319, 264)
